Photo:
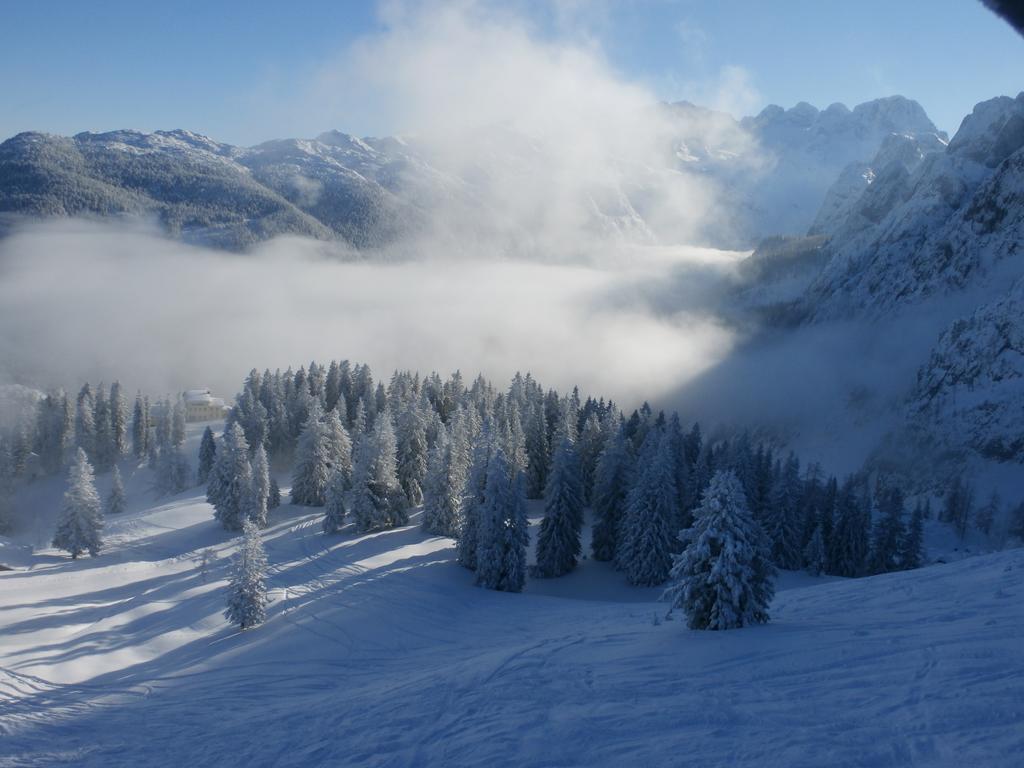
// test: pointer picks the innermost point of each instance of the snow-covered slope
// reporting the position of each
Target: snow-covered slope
(954, 223)
(379, 651)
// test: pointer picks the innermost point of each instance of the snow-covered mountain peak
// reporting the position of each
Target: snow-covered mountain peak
(992, 132)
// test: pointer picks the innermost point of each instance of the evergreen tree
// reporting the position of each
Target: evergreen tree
(172, 471)
(504, 530)
(815, 559)
(53, 428)
(377, 498)
(912, 546)
(1015, 523)
(256, 503)
(850, 544)
(591, 444)
(339, 445)
(207, 454)
(782, 517)
(118, 419)
(140, 430)
(115, 501)
(474, 497)
(247, 591)
(104, 451)
(645, 548)
(80, 523)
(85, 421)
(558, 543)
(230, 478)
(723, 579)
(611, 484)
(443, 488)
(335, 502)
(274, 498)
(537, 452)
(178, 423)
(412, 454)
(313, 458)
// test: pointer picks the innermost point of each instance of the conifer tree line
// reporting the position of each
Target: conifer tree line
(471, 455)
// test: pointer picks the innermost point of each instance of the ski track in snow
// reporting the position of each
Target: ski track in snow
(379, 651)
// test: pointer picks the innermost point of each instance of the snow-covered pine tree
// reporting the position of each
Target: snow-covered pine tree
(115, 501)
(782, 516)
(815, 560)
(558, 543)
(259, 489)
(537, 451)
(85, 421)
(850, 536)
(207, 454)
(474, 496)
(274, 497)
(178, 422)
(118, 419)
(591, 443)
(247, 590)
(312, 461)
(723, 579)
(140, 430)
(503, 528)
(335, 502)
(645, 548)
(377, 498)
(959, 502)
(104, 452)
(443, 488)
(612, 479)
(912, 545)
(339, 445)
(80, 524)
(230, 478)
(412, 453)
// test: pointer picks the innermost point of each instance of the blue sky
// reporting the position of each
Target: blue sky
(221, 68)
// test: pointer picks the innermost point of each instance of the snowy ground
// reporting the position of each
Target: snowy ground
(379, 651)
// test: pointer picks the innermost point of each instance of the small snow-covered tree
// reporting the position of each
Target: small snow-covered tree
(503, 528)
(115, 501)
(537, 452)
(230, 478)
(782, 516)
(723, 579)
(312, 461)
(335, 502)
(339, 445)
(591, 444)
(274, 497)
(611, 484)
(558, 542)
(247, 591)
(645, 548)
(207, 453)
(80, 525)
(172, 470)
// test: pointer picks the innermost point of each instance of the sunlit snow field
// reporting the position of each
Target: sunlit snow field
(380, 651)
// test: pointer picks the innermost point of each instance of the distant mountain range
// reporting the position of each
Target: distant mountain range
(774, 171)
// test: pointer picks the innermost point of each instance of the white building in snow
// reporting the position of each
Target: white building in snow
(201, 405)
